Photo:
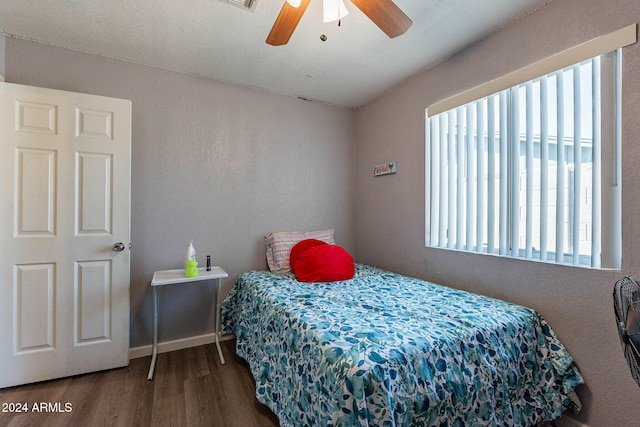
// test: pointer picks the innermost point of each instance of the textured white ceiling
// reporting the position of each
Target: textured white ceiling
(356, 64)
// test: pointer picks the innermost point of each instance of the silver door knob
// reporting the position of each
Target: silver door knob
(118, 247)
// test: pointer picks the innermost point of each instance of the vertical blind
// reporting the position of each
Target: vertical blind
(520, 172)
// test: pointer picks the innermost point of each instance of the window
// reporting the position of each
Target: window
(532, 170)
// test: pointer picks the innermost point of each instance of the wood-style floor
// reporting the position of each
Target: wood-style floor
(190, 388)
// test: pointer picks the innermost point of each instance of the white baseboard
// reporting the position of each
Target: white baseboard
(179, 344)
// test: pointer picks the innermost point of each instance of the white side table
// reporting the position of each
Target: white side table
(175, 277)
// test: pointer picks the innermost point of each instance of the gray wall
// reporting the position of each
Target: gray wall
(390, 210)
(213, 162)
(1, 56)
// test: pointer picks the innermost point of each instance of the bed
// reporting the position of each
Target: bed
(382, 349)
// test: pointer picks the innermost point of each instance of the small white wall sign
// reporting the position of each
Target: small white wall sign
(385, 169)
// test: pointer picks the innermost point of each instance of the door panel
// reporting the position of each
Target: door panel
(35, 193)
(65, 182)
(36, 117)
(94, 123)
(93, 301)
(94, 182)
(34, 291)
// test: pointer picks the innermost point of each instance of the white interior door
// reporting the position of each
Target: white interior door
(65, 167)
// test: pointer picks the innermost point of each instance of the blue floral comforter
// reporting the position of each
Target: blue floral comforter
(383, 349)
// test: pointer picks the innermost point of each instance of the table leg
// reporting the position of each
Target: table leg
(218, 325)
(155, 335)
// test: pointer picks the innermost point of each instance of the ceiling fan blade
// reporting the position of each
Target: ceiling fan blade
(286, 23)
(386, 15)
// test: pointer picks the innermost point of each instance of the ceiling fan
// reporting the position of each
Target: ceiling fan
(384, 13)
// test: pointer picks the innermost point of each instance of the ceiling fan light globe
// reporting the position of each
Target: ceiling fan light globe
(294, 3)
(333, 10)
